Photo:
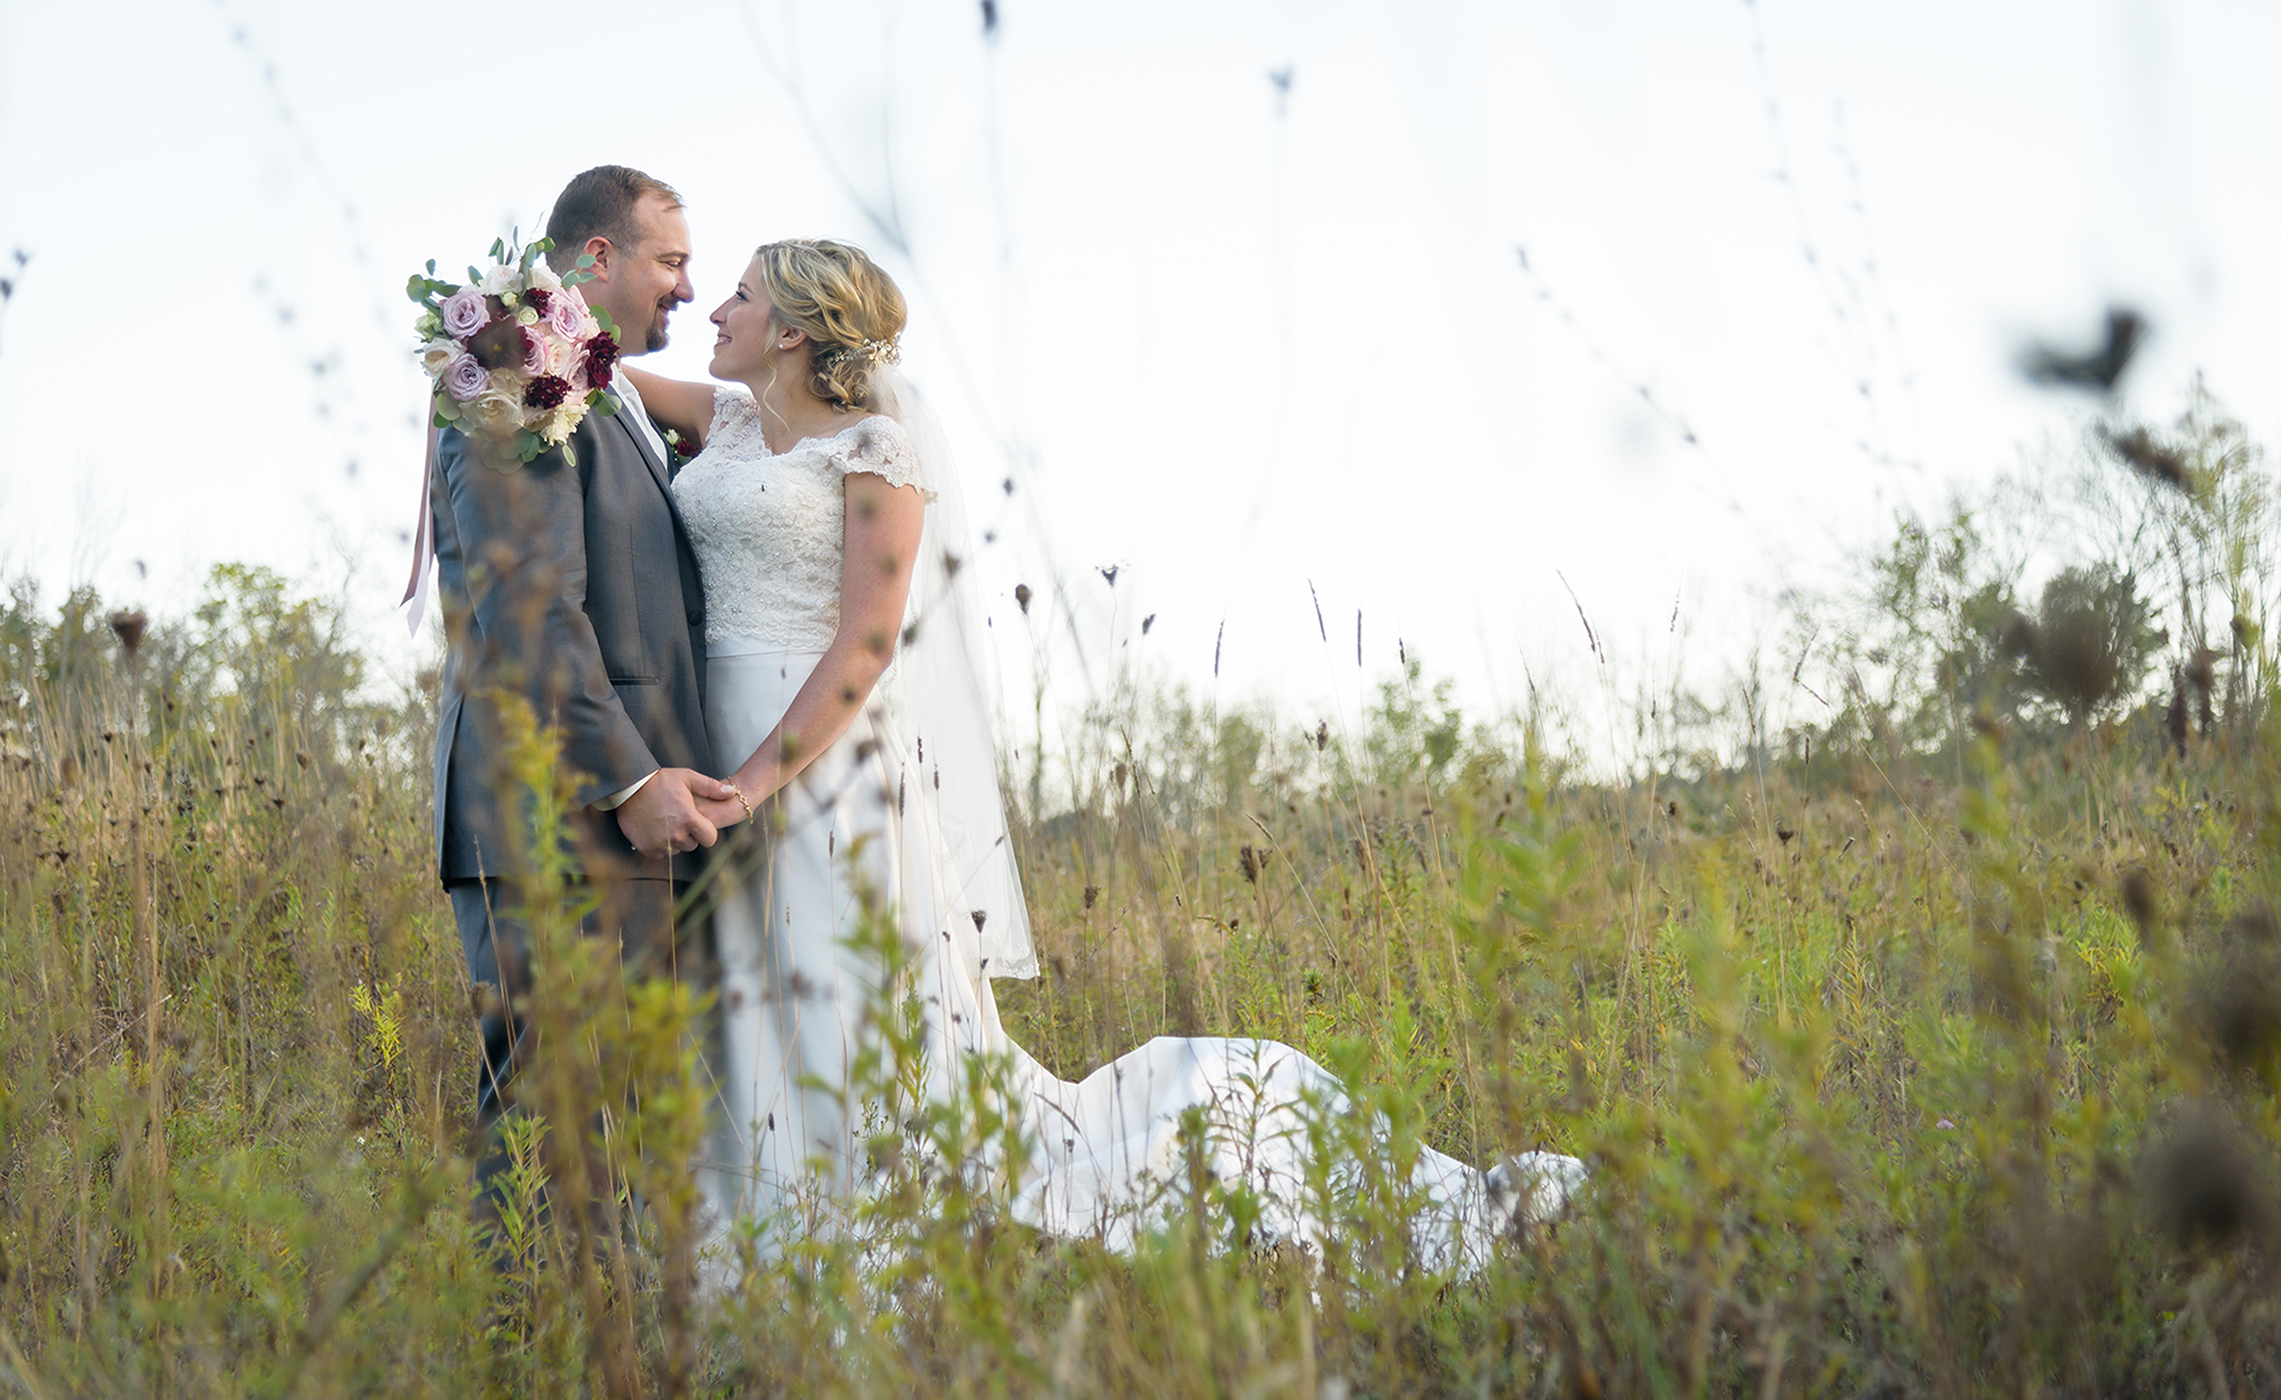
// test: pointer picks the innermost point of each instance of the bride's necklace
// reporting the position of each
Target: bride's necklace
(775, 422)
(773, 427)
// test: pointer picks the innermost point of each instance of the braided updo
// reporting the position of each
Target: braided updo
(851, 310)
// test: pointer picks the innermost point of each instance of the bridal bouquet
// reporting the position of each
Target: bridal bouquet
(517, 356)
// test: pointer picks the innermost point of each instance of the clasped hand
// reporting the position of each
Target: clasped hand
(679, 809)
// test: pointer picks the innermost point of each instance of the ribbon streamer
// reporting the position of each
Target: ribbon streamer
(423, 544)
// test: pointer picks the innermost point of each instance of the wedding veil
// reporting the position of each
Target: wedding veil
(939, 700)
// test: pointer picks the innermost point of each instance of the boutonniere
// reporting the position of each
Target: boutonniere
(682, 448)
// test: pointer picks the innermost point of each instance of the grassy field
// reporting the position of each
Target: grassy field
(1928, 1049)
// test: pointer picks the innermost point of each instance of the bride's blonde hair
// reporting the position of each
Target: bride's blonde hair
(851, 310)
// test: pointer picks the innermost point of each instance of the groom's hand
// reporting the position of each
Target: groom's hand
(722, 815)
(664, 816)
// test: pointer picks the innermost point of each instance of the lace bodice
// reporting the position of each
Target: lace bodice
(768, 528)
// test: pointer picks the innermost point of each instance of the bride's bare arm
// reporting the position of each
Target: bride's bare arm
(674, 403)
(882, 540)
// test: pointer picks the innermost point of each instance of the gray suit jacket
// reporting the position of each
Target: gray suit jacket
(575, 588)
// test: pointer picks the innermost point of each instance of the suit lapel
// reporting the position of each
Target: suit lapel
(661, 476)
(640, 441)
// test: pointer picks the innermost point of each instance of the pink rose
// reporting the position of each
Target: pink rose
(463, 377)
(562, 357)
(534, 355)
(464, 313)
(567, 318)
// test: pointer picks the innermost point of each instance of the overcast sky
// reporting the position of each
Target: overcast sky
(1235, 294)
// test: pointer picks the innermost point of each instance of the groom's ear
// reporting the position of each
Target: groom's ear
(598, 248)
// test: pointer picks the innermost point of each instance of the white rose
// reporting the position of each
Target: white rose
(527, 316)
(498, 408)
(435, 355)
(543, 278)
(500, 280)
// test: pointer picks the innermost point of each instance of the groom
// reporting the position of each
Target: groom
(570, 585)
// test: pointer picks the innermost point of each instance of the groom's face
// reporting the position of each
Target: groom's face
(650, 279)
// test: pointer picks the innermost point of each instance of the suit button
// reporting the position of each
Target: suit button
(695, 617)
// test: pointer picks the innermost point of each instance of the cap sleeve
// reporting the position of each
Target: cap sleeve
(732, 410)
(880, 446)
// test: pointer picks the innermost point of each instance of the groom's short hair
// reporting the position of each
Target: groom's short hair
(601, 202)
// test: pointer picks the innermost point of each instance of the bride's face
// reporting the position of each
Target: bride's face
(746, 330)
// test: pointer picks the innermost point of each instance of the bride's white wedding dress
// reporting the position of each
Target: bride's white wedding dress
(868, 819)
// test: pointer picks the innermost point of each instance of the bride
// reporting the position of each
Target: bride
(841, 666)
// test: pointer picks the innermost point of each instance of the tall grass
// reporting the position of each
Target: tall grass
(1929, 1048)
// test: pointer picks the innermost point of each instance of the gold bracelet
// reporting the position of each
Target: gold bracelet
(742, 800)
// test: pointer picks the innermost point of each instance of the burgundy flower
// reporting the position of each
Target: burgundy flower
(601, 353)
(546, 391)
(500, 345)
(683, 447)
(538, 299)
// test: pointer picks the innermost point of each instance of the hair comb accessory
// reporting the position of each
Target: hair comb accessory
(881, 352)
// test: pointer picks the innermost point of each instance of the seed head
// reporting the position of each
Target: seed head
(2202, 670)
(2175, 721)
(128, 628)
(2140, 900)
(2202, 1184)
(2236, 1004)
(2156, 461)
(2097, 368)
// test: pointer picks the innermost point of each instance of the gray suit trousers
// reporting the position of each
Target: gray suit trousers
(638, 915)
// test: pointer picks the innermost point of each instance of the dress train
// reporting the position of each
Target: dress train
(1106, 1156)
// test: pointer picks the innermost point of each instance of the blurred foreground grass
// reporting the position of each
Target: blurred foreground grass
(1930, 1050)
